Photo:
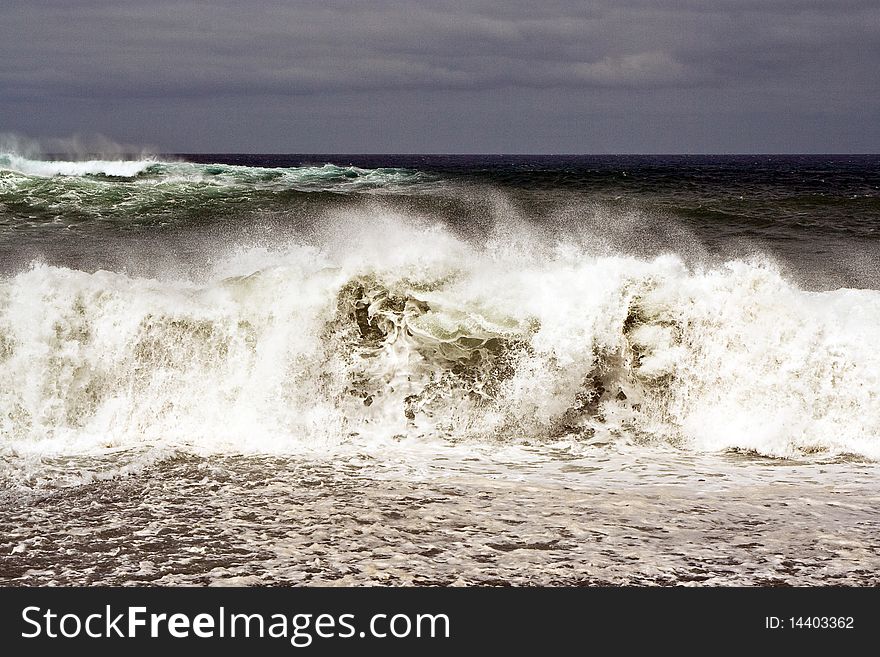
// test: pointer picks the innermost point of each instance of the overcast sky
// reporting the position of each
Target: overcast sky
(537, 76)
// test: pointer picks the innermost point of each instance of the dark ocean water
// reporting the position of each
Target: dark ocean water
(264, 369)
(819, 214)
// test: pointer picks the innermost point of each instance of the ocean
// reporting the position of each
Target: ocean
(440, 370)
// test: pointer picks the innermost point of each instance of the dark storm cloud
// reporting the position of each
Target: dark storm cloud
(607, 52)
(193, 48)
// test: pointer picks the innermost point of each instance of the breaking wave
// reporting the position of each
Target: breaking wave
(47, 168)
(388, 330)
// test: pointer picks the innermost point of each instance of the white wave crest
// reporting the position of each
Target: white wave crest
(49, 168)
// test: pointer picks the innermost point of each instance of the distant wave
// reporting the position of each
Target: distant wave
(38, 192)
(327, 177)
(388, 331)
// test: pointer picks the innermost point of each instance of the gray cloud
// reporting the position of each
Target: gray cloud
(687, 60)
